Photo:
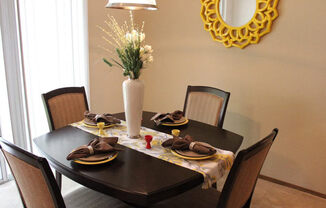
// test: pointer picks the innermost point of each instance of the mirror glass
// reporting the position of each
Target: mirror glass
(237, 12)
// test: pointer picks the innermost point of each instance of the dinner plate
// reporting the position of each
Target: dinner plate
(191, 156)
(92, 125)
(175, 124)
(100, 160)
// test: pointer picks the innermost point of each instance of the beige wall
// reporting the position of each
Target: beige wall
(277, 83)
(105, 82)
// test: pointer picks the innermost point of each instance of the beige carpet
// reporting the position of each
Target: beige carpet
(267, 195)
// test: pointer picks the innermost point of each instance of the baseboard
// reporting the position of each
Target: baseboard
(283, 183)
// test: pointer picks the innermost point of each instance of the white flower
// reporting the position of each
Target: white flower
(144, 57)
(141, 51)
(148, 49)
(147, 58)
(142, 37)
(134, 34)
(128, 37)
(150, 59)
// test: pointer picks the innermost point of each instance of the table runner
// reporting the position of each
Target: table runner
(212, 169)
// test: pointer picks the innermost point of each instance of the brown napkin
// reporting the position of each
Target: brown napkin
(96, 146)
(167, 117)
(95, 118)
(187, 143)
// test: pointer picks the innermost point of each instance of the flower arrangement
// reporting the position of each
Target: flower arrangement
(128, 42)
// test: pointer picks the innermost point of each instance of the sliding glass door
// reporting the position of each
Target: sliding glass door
(43, 48)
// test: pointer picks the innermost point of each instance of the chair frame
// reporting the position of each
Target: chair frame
(45, 98)
(215, 91)
(57, 92)
(37, 162)
(242, 156)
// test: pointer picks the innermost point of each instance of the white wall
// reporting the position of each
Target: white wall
(277, 83)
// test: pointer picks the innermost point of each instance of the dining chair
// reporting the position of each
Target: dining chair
(38, 188)
(239, 186)
(206, 104)
(64, 106)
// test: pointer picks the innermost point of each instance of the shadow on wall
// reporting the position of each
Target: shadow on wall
(249, 129)
(288, 168)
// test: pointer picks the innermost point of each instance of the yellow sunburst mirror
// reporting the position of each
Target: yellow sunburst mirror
(238, 22)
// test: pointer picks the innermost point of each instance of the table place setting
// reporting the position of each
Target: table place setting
(92, 120)
(187, 148)
(175, 118)
(97, 151)
(210, 161)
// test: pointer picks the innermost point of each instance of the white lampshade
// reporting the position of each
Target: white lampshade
(132, 4)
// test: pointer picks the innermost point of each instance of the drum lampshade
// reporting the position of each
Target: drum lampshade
(132, 4)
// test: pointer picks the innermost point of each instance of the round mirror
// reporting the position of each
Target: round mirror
(237, 13)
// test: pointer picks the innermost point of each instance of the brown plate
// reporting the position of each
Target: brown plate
(182, 120)
(98, 157)
(94, 125)
(189, 153)
(109, 159)
(183, 156)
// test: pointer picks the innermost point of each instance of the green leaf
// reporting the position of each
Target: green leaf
(107, 62)
(117, 63)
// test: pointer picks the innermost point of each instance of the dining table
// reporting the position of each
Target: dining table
(133, 177)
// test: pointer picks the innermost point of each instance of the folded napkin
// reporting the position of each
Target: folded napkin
(106, 118)
(96, 146)
(187, 143)
(167, 117)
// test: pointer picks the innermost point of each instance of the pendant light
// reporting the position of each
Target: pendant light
(132, 4)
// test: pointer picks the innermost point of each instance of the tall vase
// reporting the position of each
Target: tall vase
(133, 97)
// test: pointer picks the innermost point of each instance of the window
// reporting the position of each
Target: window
(44, 47)
(55, 49)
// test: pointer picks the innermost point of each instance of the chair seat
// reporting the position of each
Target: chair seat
(197, 197)
(87, 198)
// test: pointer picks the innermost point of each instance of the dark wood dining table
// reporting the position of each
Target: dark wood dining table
(133, 177)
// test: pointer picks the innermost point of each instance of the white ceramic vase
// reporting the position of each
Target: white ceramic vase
(133, 97)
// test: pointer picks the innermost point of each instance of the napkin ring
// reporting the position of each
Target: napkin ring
(191, 145)
(91, 150)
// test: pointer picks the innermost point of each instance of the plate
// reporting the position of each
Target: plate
(91, 125)
(194, 156)
(175, 124)
(97, 157)
(108, 157)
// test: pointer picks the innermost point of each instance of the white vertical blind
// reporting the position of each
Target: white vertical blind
(5, 121)
(13, 73)
(54, 45)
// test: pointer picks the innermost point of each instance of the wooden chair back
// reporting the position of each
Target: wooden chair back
(241, 182)
(206, 104)
(34, 178)
(65, 106)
